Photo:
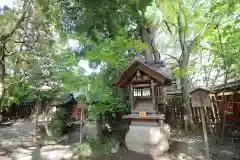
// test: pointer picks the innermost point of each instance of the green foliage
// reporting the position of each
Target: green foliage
(57, 125)
(52, 75)
(93, 148)
(113, 51)
(203, 22)
(37, 63)
(223, 37)
(115, 55)
(97, 19)
(101, 89)
(109, 37)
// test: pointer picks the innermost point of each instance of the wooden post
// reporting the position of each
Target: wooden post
(174, 111)
(37, 107)
(205, 133)
(153, 96)
(131, 97)
(81, 121)
(199, 114)
(213, 111)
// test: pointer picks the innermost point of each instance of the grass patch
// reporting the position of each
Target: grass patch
(93, 148)
(48, 140)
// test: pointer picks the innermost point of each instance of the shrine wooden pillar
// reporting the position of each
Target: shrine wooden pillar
(131, 97)
(153, 95)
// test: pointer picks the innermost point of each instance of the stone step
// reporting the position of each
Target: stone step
(144, 109)
(143, 106)
(148, 111)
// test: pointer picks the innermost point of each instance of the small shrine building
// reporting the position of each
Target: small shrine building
(146, 81)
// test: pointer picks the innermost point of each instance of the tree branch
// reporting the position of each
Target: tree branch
(193, 5)
(192, 44)
(16, 82)
(175, 58)
(170, 23)
(212, 50)
(4, 37)
(168, 27)
(9, 53)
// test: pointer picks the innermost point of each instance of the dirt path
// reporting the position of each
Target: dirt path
(16, 143)
(182, 147)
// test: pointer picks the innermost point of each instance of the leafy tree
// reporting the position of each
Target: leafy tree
(120, 52)
(185, 20)
(191, 26)
(224, 44)
(23, 35)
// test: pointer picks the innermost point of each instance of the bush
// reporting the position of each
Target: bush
(58, 124)
(94, 147)
(83, 150)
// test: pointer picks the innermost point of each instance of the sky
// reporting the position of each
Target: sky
(82, 63)
(6, 2)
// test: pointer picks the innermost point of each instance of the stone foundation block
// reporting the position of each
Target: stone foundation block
(148, 139)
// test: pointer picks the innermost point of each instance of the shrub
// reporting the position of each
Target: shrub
(92, 147)
(58, 124)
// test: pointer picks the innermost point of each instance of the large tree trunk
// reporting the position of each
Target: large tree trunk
(185, 87)
(147, 35)
(46, 118)
(184, 69)
(186, 102)
(2, 73)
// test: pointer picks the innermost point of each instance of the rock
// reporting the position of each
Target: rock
(166, 129)
(91, 130)
(50, 142)
(64, 138)
(160, 148)
(148, 139)
(116, 148)
(156, 136)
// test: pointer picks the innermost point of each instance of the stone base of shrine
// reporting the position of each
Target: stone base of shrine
(148, 138)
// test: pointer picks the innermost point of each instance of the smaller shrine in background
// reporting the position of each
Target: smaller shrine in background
(146, 80)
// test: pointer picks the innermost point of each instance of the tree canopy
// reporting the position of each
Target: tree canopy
(199, 38)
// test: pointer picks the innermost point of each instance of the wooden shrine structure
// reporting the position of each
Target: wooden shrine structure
(200, 99)
(204, 98)
(228, 100)
(146, 80)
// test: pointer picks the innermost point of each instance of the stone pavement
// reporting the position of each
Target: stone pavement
(16, 143)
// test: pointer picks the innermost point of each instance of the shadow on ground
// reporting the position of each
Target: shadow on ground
(182, 147)
(16, 144)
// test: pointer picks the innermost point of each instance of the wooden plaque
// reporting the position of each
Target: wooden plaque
(142, 114)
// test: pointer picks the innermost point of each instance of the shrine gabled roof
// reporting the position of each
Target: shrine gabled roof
(201, 89)
(154, 70)
(230, 85)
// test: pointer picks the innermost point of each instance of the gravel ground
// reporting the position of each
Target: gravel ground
(16, 144)
(182, 147)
